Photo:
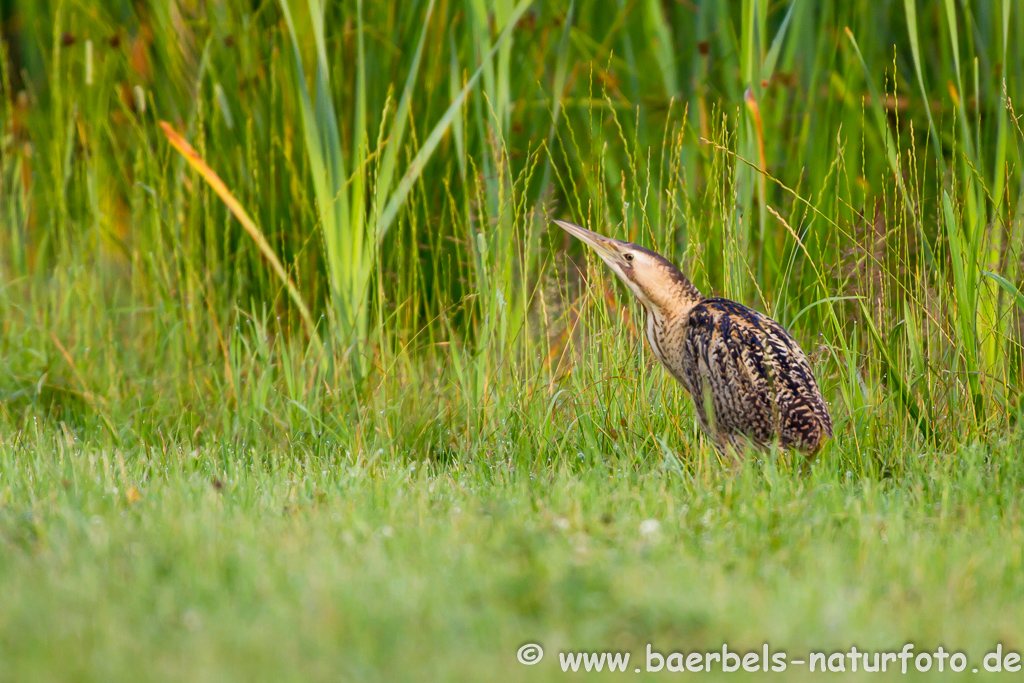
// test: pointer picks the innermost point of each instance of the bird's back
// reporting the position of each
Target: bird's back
(749, 379)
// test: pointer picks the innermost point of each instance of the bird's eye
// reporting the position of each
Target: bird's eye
(628, 257)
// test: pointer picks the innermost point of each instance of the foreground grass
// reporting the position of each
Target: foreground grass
(136, 565)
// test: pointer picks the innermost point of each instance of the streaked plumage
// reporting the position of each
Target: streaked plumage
(750, 381)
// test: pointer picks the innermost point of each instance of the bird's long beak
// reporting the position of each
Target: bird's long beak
(604, 246)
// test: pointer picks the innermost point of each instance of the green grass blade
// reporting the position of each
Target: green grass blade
(558, 92)
(323, 147)
(397, 133)
(965, 296)
(214, 181)
(659, 36)
(879, 114)
(974, 207)
(458, 124)
(397, 199)
(772, 58)
(1007, 286)
(893, 375)
(999, 170)
(910, 9)
(355, 232)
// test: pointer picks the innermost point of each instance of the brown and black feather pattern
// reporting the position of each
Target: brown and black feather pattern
(749, 379)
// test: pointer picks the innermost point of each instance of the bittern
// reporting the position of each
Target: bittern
(751, 383)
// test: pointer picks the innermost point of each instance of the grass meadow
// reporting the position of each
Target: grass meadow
(329, 399)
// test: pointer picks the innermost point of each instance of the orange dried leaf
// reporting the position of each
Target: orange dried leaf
(217, 185)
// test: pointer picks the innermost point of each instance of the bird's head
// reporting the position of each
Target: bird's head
(652, 278)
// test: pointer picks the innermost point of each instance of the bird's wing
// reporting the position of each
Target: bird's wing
(749, 377)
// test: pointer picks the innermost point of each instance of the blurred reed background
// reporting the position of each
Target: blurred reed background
(851, 168)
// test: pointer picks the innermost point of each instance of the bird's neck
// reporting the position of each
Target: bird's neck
(676, 303)
(664, 325)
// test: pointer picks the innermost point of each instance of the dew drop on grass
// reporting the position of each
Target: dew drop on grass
(650, 527)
